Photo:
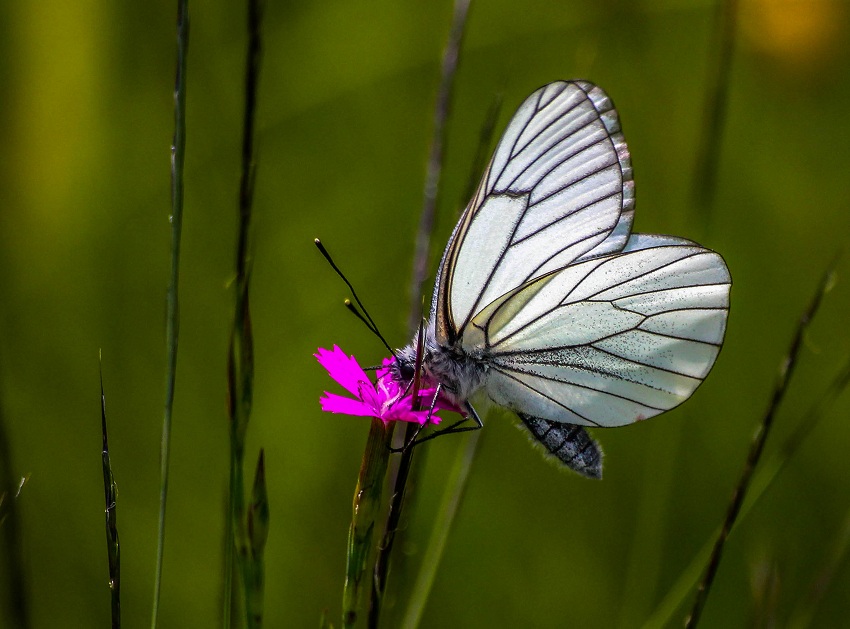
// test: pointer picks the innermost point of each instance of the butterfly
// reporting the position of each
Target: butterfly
(547, 303)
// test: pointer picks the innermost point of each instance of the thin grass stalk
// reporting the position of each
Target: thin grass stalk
(420, 268)
(247, 548)
(764, 478)
(717, 96)
(110, 493)
(385, 548)
(10, 537)
(258, 533)
(240, 390)
(366, 507)
(451, 54)
(650, 530)
(455, 487)
(456, 482)
(235, 525)
(178, 152)
(786, 371)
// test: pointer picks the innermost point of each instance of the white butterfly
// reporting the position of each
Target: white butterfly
(547, 302)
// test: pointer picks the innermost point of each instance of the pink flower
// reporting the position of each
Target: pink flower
(385, 399)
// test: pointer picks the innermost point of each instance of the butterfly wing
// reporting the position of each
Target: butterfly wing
(607, 341)
(558, 189)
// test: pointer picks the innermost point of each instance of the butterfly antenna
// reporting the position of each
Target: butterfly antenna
(365, 317)
(371, 327)
(353, 310)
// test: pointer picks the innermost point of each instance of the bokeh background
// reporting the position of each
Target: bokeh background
(345, 118)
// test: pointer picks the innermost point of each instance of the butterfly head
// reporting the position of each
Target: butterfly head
(458, 374)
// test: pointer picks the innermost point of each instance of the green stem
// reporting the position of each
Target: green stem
(708, 156)
(769, 471)
(786, 371)
(451, 54)
(178, 152)
(422, 244)
(455, 487)
(110, 492)
(249, 560)
(365, 510)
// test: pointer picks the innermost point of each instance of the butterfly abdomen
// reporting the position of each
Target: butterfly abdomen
(570, 445)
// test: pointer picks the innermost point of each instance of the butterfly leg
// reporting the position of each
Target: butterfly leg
(431, 408)
(454, 428)
(570, 445)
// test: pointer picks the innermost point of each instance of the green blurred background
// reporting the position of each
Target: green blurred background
(345, 117)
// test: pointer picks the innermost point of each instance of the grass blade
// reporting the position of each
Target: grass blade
(435, 159)
(451, 55)
(110, 492)
(258, 533)
(178, 153)
(365, 509)
(456, 483)
(768, 472)
(248, 551)
(455, 487)
(757, 447)
(705, 171)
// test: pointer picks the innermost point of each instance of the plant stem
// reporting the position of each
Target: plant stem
(786, 370)
(442, 107)
(365, 509)
(455, 487)
(382, 559)
(763, 480)
(110, 492)
(178, 152)
(705, 171)
(248, 549)
(435, 160)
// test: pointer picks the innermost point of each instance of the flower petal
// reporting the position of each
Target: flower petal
(418, 417)
(402, 411)
(371, 398)
(344, 369)
(386, 399)
(333, 403)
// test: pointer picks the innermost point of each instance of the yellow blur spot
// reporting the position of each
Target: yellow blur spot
(797, 33)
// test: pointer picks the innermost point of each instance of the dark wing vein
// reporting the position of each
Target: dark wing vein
(503, 368)
(566, 216)
(514, 151)
(631, 278)
(637, 362)
(566, 157)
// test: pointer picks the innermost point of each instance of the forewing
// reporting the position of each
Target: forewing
(558, 189)
(608, 341)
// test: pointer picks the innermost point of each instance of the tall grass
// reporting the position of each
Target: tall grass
(752, 485)
(110, 493)
(401, 474)
(247, 527)
(172, 317)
